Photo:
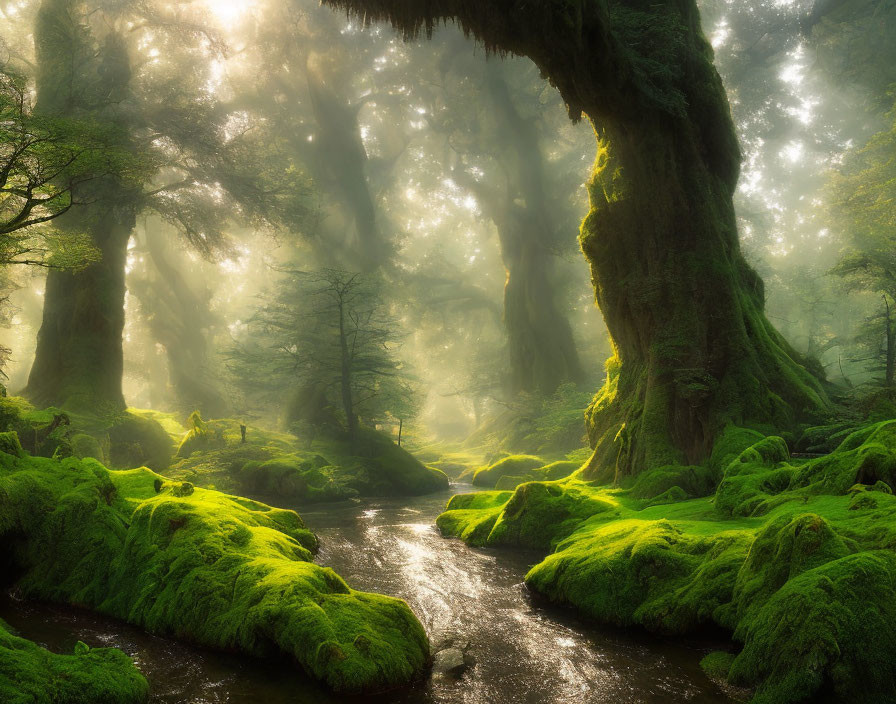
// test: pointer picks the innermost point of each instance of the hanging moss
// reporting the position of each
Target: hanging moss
(181, 561)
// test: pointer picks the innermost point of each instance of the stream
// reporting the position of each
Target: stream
(524, 653)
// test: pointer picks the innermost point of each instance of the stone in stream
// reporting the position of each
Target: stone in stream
(449, 662)
(451, 656)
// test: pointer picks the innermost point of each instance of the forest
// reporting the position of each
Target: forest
(436, 351)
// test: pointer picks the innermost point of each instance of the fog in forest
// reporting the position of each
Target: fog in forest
(453, 183)
(294, 291)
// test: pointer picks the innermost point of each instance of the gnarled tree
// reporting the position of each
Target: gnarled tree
(693, 349)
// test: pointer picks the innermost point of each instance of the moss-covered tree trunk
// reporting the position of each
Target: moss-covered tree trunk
(694, 350)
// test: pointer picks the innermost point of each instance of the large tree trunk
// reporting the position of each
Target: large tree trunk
(541, 346)
(543, 352)
(694, 350)
(78, 362)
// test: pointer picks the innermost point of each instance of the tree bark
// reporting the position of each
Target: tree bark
(693, 349)
(79, 360)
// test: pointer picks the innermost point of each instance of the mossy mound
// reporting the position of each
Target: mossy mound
(122, 440)
(794, 558)
(511, 471)
(30, 674)
(221, 571)
(392, 469)
(301, 479)
(271, 464)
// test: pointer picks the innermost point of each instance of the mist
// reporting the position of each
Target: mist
(591, 282)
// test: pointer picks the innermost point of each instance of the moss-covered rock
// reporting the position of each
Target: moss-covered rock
(220, 571)
(794, 558)
(120, 439)
(30, 674)
(513, 465)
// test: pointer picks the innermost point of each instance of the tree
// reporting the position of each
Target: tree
(500, 160)
(693, 349)
(327, 336)
(862, 197)
(43, 162)
(210, 165)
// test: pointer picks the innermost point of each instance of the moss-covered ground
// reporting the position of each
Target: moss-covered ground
(212, 454)
(275, 464)
(795, 558)
(30, 674)
(199, 565)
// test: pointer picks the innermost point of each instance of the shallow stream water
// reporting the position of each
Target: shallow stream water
(524, 653)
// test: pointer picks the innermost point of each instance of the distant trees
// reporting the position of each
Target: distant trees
(144, 72)
(863, 193)
(327, 338)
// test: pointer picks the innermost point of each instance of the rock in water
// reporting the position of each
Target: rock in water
(450, 661)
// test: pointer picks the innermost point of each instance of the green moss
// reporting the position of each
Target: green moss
(84, 445)
(558, 470)
(866, 456)
(220, 571)
(693, 481)
(717, 664)
(831, 627)
(270, 463)
(29, 674)
(794, 558)
(394, 468)
(514, 465)
(200, 436)
(9, 443)
(123, 439)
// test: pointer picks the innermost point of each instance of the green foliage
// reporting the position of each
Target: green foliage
(217, 570)
(328, 340)
(29, 674)
(44, 159)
